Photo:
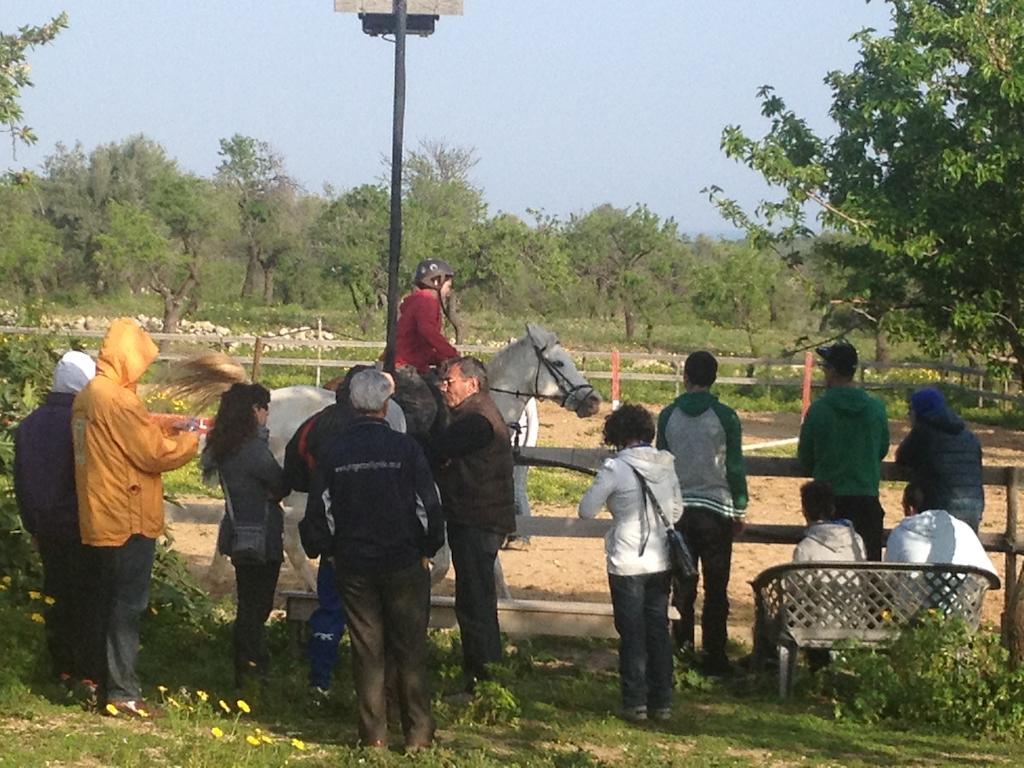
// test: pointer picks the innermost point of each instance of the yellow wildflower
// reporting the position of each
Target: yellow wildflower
(49, 600)
(111, 710)
(38, 618)
(34, 595)
(886, 615)
(266, 739)
(252, 740)
(3, 587)
(243, 706)
(162, 688)
(6, 580)
(298, 744)
(217, 732)
(224, 705)
(203, 695)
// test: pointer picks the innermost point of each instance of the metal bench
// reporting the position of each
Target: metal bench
(817, 605)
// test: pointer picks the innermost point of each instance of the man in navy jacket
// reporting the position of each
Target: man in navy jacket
(375, 508)
(44, 485)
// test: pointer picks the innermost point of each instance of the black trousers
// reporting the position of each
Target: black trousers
(387, 621)
(255, 584)
(66, 579)
(476, 597)
(709, 536)
(866, 514)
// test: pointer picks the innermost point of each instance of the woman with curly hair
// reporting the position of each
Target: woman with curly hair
(253, 482)
(637, 556)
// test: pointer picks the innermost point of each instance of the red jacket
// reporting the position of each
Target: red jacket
(419, 341)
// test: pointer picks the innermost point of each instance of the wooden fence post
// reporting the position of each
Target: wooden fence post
(615, 380)
(257, 355)
(1013, 626)
(808, 377)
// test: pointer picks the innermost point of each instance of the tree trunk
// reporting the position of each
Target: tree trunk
(268, 285)
(252, 269)
(630, 319)
(172, 314)
(882, 351)
(455, 317)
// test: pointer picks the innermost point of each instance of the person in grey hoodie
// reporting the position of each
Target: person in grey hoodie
(827, 538)
(637, 557)
(705, 438)
(944, 458)
(237, 450)
(843, 440)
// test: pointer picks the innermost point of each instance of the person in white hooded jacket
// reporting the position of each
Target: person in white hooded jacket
(933, 536)
(637, 556)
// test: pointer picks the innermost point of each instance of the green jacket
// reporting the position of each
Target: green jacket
(844, 439)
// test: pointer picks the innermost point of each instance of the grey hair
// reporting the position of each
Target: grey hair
(472, 368)
(369, 391)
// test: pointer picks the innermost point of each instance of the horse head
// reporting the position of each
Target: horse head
(557, 377)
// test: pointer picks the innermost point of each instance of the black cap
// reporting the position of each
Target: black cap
(841, 356)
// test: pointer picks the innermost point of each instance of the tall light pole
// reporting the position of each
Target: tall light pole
(376, 21)
(397, 135)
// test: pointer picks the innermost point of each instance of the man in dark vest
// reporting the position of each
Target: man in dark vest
(478, 500)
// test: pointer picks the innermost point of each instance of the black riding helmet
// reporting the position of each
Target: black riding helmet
(427, 270)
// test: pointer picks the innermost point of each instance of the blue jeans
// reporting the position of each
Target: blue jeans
(325, 627)
(640, 604)
(122, 596)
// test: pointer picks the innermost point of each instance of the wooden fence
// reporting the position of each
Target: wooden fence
(960, 377)
(573, 618)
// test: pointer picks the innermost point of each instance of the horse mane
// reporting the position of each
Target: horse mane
(505, 351)
(203, 379)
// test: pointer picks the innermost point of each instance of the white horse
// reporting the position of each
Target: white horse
(534, 366)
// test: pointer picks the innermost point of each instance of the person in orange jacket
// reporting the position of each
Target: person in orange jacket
(120, 453)
(419, 340)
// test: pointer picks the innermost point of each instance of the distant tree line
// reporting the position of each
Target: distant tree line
(125, 218)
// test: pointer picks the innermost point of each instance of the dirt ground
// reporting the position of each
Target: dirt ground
(574, 569)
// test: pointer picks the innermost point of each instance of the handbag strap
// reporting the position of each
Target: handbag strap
(227, 498)
(646, 491)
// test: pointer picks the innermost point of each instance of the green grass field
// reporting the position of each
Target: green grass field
(555, 709)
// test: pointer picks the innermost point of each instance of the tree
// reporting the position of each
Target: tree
(925, 172)
(735, 289)
(30, 249)
(350, 241)
(255, 173)
(14, 74)
(629, 257)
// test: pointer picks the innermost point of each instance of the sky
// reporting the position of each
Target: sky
(568, 103)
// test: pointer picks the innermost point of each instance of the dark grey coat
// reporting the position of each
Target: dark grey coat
(255, 481)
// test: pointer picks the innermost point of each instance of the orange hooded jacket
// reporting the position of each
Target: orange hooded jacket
(119, 450)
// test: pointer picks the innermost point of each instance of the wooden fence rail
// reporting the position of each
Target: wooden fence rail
(672, 358)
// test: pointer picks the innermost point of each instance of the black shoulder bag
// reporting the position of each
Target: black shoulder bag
(679, 553)
(248, 541)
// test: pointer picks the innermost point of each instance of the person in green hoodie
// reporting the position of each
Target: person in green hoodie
(843, 440)
(705, 438)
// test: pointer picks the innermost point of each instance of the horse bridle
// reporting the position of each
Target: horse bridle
(566, 387)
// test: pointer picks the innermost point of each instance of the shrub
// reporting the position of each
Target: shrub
(938, 672)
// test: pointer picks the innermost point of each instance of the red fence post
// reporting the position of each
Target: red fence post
(615, 379)
(808, 376)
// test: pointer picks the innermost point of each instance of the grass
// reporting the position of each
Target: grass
(553, 707)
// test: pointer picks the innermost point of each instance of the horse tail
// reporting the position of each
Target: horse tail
(203, 379)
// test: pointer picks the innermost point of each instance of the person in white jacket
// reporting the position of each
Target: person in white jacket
(637, 556)
(933, 536)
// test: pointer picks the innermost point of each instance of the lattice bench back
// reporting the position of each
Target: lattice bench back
(816, 605)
